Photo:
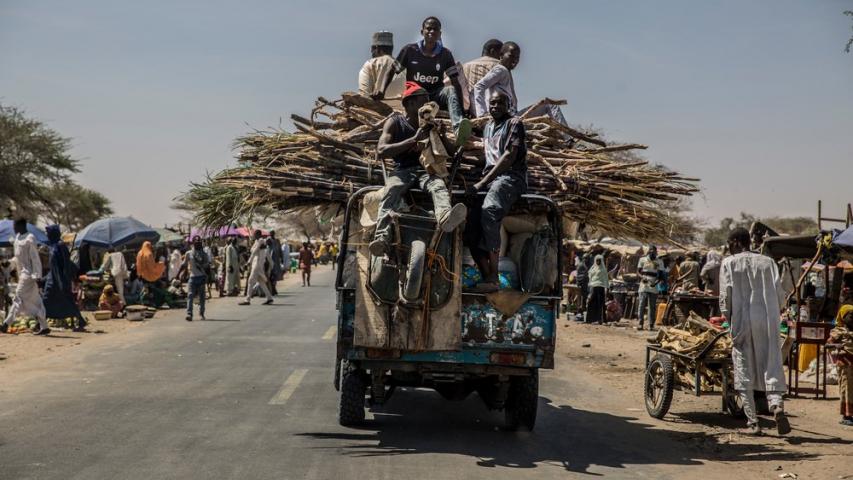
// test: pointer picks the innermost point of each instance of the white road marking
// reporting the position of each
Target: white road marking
(330, 333)
(290, 385)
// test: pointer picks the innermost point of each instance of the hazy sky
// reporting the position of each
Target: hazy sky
(754, 97)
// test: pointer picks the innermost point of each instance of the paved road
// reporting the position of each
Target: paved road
(248, 395)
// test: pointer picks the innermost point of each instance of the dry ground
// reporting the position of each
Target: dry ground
(818, 446)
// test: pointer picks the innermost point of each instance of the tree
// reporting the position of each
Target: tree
(32, 158)
(717, 236)
(36, 167)
(74, 206)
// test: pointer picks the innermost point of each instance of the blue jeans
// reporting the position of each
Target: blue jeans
(503, 192)
(447, 99)
(397, 184)
(196, 286)
(647, 301)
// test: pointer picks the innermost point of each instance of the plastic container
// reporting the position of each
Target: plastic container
(508, 270)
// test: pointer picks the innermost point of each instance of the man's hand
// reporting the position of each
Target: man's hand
(423, 132)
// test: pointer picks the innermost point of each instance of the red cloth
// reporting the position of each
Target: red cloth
(412, 88)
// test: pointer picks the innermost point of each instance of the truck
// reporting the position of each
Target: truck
(407, 320)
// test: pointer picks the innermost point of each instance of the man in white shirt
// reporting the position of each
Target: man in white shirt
(118, 271)
(476, 69)
(651, 270)
(27, 299)
(499, 79)
(374, 74)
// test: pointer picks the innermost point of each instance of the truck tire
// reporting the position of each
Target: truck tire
(658, 386)
(522, 402)
(339, 365)
(415, 271)
(353, 388)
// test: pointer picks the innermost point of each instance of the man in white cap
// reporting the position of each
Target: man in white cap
(375, 72)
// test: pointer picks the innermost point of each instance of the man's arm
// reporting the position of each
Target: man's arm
(503, 165)
(481, 106)
(386, 149)
(365, 80)
(725, 291)
(34, 258)
(401, 64)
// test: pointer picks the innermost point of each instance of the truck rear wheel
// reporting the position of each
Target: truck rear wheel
(522, 402)
(415, 272)
(353, 388)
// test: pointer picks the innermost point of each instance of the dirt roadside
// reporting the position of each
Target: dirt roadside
(15, 349)
(818, 447)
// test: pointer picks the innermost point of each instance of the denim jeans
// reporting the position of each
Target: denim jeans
(196, 286)
(447, 99)
(647, 301)
(503, 192)
(397, 184)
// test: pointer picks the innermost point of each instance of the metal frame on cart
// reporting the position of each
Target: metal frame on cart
(694, 363)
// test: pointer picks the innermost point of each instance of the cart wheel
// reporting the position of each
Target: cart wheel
(415, 272)
(353, 388)
(522, 402)
(660, 381)
(733, 404)
(731, 400)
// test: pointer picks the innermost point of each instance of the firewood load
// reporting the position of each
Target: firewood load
(332, 154)
(690, 338)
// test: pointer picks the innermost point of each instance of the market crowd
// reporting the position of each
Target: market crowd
(115, 280)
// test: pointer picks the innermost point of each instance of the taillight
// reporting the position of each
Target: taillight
(508, 358)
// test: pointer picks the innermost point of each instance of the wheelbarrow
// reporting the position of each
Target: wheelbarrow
(661, 379)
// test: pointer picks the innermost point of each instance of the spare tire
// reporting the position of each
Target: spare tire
(415, 271)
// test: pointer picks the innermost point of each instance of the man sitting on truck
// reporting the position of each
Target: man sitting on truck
(375, 72)
(400, 140)
(504, 179)
(426, 63)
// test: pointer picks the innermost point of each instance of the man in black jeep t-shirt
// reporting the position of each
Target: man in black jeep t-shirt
(426, 62)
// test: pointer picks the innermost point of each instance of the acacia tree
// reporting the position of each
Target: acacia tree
(36, 167)
(74, 206)
(717, 236)
(33, 157)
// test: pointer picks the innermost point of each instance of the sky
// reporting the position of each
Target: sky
(753, 97)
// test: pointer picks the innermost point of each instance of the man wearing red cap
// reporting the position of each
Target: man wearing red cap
(400, 141)
(426, 63)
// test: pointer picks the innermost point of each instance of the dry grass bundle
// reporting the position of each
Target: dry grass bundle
(332, 154)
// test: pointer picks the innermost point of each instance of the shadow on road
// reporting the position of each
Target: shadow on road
(419, 422)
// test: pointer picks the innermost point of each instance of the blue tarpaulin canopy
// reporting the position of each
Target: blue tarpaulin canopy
(116, 231)
(7, 233)
(843, 239)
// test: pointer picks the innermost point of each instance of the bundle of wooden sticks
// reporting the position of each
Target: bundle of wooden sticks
(332, 154)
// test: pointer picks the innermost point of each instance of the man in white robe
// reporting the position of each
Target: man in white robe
(257, 273)
(118, 270)
(750, 298)
(27, 299)
(175, 261)
(232, 268)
